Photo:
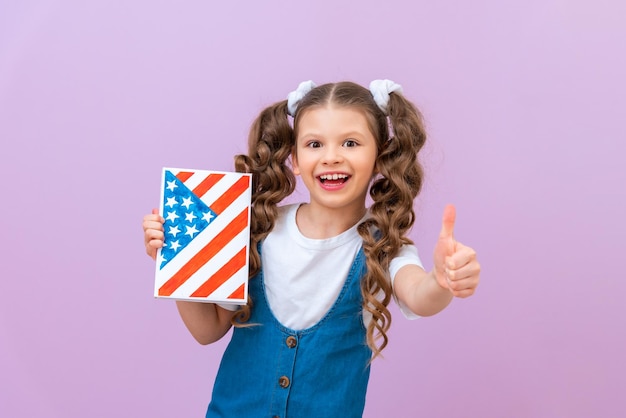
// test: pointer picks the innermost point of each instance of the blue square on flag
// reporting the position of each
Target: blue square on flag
(207, 236)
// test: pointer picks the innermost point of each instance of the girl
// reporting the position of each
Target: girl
(323, 272)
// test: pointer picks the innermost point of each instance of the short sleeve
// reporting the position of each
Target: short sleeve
(407, 255)
(229, 306)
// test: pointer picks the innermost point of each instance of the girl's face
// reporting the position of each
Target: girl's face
(335, 154)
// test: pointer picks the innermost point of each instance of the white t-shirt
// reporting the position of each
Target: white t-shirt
(303, 276)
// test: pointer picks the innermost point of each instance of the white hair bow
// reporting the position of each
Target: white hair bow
(380, 90)
(295, 96)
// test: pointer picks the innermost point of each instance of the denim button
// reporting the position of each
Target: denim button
(291, 341)
(283, 381)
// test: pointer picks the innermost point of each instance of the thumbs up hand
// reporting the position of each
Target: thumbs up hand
(455, 265)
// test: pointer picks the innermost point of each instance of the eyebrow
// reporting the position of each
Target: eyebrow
(345, 135)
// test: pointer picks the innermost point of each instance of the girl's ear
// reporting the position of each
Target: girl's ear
(294, 162)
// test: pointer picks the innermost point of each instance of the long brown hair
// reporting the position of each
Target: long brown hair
(400, 135)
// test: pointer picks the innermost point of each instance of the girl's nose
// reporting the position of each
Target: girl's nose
(332, 156)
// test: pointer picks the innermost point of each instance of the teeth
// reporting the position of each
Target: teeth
(333, 176)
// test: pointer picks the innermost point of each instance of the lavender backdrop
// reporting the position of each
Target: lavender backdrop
(525, 105)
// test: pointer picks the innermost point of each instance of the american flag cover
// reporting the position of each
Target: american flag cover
(207, 236)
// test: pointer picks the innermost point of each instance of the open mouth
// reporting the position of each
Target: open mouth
(333, 179)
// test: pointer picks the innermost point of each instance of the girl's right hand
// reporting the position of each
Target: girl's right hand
(153, 234)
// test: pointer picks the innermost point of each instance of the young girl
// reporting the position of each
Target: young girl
(323, 272)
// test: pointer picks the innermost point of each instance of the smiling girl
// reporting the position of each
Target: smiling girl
(324, 272)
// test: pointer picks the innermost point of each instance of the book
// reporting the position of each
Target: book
(205, 256)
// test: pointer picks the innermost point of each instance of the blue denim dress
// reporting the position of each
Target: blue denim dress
(269, 370)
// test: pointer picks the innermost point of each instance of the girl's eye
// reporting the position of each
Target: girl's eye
(313, 144)
(350, 143)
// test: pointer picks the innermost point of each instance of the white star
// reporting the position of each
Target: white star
(191, 230)
(171, 202)
(161, 259)
(187, 202)
(175, 245)
(171, 216)
(189, 217)
(208, 216)
(174, 230)
(171, 185)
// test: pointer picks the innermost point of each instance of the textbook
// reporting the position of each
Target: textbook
(205, 253)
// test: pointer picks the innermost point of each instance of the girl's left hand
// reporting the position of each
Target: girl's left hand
(456, 267)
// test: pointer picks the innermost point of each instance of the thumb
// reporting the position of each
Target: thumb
(447, 223)
(155, 211)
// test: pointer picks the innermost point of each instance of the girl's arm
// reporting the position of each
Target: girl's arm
(206, 322)
(419, 291)
(456, 272)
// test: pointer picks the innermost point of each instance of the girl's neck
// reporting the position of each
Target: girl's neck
(322, 223)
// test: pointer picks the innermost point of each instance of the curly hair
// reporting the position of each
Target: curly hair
(400, 135)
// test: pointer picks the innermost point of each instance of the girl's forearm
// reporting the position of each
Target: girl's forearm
(430, 297)
(206, 322)
(420, 292)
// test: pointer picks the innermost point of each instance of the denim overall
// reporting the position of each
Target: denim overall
(272, 371)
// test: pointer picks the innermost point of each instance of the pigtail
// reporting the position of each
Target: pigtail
(269, 146)
(401, 173)
(398, 183)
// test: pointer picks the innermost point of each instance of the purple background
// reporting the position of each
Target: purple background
(525, 105)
